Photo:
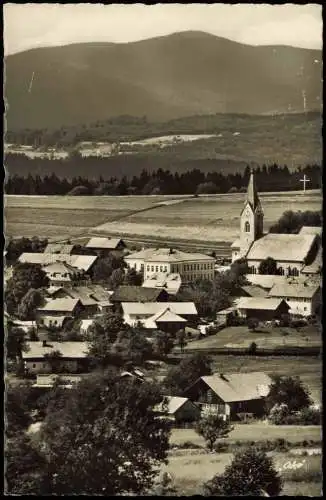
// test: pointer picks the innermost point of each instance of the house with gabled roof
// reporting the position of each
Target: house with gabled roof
(231, 394)
(302, 298)
(135, 312)
(165, 320)
(177, 409)
(65, 248)
(262, 308)
(105, 246)
(73, 357)
(56, 311)
(128, 293)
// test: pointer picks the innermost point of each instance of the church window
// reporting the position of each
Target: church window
(247, 227)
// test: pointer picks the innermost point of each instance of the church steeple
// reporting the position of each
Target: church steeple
(252, 195)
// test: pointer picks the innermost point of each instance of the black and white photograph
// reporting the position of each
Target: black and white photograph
(162, 256)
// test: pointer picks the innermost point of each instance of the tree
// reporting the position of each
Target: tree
(105, 266)
(53, 358)
(15, 341)
(25, 277)
(251, 473)
(132, 345)
(25, 467)
(163, 343)
(107, 439)
(133, 278)
(117, 278)
(189, 370)
(212, 427)
(206, 188)
(16, 409)
(268, 266)
(101, 336)
(289, 391)
(181, 338)
(253, 324)
(29, 303)
(291, 222)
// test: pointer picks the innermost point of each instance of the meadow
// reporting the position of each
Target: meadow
(264, 337)
(208, 218)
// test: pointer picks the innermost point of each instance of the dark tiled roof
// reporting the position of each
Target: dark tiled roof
(136, 294)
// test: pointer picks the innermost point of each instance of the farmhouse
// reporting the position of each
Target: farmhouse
(80, 262)
(59, 248)
(56, 311)
(166, 321)
(292, 252)
(179, 410)
(190, 266)
(231, 394)
(170, 282)
(94, 298)
(63, 274)
(264, 309)
(104, 246)
(37, 358)
(302, 299)
(134, 312)
(127, 293)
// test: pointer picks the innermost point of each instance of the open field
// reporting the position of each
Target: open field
(189, 471)
(259, 431)
(206, 219)
(242, 337)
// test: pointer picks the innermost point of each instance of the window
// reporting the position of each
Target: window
(295, 272)
(142, 267)
(156, 269)
(247, 227)
(304, 308)
(161, 268)
(34, 365)
(281, 271)
(152, 268)
(44, 365)
(165, 268)
(148, 268)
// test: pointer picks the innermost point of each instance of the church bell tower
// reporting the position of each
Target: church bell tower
(251, 217)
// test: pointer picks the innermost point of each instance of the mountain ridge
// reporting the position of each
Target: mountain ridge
(166, 77)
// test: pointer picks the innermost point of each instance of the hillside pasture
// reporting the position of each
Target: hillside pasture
(264, 337)
(213, 218)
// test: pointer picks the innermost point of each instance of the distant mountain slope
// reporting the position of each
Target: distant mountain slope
(163, 78)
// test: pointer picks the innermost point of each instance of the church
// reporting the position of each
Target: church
(295, 254)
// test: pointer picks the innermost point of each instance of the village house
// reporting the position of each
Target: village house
(105, 246)
(171, 283)
(292, 252)
(57, 311)
(304, 300)
(82, 263)
(190, 266)
(37, 358)
(177, 409)
(64, 248)
(128, 293)
(94, 298)
(166, 321)
(47, 381)
(62, 274)
(231, 394)
(151, 312)
(261, 308)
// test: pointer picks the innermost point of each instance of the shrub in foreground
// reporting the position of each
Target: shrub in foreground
(251, 473)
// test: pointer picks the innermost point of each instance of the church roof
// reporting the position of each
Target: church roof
(281, 247)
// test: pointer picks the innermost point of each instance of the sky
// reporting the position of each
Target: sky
(41, 25)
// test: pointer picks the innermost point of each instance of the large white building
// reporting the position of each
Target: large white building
(190, 266)
(295, 254)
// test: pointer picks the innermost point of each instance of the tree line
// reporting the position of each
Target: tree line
(268, 178)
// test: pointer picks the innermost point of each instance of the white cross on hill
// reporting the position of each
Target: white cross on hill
(304, 180)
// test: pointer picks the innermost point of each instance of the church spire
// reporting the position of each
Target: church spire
(252, 195)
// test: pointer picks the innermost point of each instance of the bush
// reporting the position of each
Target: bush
(252, 349)
(251, 473)
(253, 324)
